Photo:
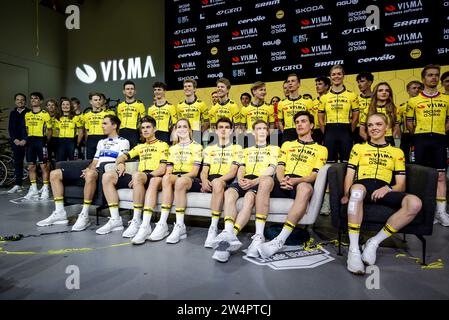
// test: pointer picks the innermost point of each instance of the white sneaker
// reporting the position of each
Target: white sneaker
(369, 252)
(442, 218)
(41, 189)
(45, 195)
(15, 189)
(229, 237)
(355, 263)
(222, 254)
(268, 249)
(252, 251)
(211, 235)
(81, 223)
(142, 235)
(179, 233)
(32, 194)
(112, 225)
(59, 218)
(160, 232)
(133, 228)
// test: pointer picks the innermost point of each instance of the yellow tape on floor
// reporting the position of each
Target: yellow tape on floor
(439, 264)
(62, 251)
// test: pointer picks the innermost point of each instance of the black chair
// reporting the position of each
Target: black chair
(421, 181)
(74, 194)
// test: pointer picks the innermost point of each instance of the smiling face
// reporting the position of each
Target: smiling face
(364, 84)
(51, 107)
(183, 129)
(159, 93)
(189, 89)
(96, 102)
(20, 101)
(337, 76)
(222, 90)
(65, 106)
(35, 102)
(377, 127)
(260, 92)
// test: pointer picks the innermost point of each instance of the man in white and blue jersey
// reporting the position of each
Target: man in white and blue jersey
(108, 150)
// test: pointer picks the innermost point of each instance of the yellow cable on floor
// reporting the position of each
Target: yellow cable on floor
(439, 264)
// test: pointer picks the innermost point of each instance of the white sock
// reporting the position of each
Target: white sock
(285, 233)
(114, 212)
(260, 223)
(354, 242)
(147, 214)
(386, 232)
(85, 211)
(165, 211)
(441, 207)
(215, 218)
(180, 213)
(137, 215)
(59, 207)
(229, 227)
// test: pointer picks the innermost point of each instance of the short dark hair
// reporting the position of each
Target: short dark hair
(76, 100)
(114, 120)
(224, 120)
(324, 79)
(367, 75)
(129, 82)
(260, 121)
(294, 75)
(307, 96)
(225, 81)
(37, 94)
(93, 94)
(429, 66)
(414, 82)
(20, 94)
(149, 120)
(444, 76)
(245, 94)
(304, 113)
(160, 85)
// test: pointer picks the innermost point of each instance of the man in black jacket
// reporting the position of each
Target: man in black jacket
(17, 135)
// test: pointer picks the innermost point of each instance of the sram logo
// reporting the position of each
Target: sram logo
(216, 26)
(329, 63)
(410, 22)
(267, 4)
(112, 68)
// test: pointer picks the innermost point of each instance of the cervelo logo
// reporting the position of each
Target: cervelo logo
(272, 43)
(360, 30)
(385, 57)
(410, 22)
(403, 7)
(251, 20)
(216, 25)
(189, 55)
(316, 22)
(309, 9)
(267, 4)
(239, 47)
(229, 11)
(293, 67)
(346, 2)
(329, 63)
(185, 31)
(134, 70)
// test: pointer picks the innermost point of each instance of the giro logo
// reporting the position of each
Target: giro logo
(229, 11)
(88, 75)
(115, 70)
(185, 31)
(288, 68)
(360, 30)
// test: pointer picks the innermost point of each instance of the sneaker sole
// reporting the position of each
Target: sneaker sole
(65, 222)
(129, 236)
(263, 255)
(159, 239)
(220, 260)
(113, 230)
(356, 272)
(443, 224)
(253, 254)
(184, 236)
(81, 229)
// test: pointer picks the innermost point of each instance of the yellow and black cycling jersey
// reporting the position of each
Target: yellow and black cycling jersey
(66, 127)
(219, 159)
(239, 119)
(228, 109)
(130, 113)
(287, 108)
(165, 116)
(183, 157)
(402, 117)
(252, 113)
(302, 158)
(429, 113)
(380, 162)
(364, 103)
(257, 159)
(195, 112)
(37, 122)
(151, 154)
(93, 121)
(338, 107)
(314, 111)
(364, 116)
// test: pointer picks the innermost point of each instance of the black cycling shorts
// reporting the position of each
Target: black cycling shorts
(338, 141)
(392, 199)
(35, 150)
(123, 181)
(431, 150)
(242, 192)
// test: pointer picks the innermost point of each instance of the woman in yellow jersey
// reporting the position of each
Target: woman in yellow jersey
(183, 166)
(382, 102)
(66, 126)
(374, 164)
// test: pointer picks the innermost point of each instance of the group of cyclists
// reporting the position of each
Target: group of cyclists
(245, 159)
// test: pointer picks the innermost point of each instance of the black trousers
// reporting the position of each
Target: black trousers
(19, 156)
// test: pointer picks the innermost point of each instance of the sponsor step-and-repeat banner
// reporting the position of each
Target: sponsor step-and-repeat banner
(252, 40)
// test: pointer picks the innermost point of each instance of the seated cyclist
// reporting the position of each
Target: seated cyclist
(258, 163)
(374, 163)
(296, 173)
(183, 166)
(152, 164)
(107, 150)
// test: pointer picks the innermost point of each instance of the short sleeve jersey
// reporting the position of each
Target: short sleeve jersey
(93, 121)
(37, 122)
(302, 158)
(252, 113)
(228, 109)
(130, 113)
(219, 159)
(66, 127)
(288, 108)
(109, 149)
(257, 159)
(183, 157)
(165, 116)
(338, 107)
(151, 155)
(429, 113)
(195, 112)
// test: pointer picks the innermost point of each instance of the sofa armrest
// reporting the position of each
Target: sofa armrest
(77, 164)
(335, 176)
(319, 189)
(422, 182)
(131, 167)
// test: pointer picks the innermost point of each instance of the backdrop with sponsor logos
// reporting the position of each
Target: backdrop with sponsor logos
(247, 41)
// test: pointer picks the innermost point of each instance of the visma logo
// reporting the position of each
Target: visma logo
(115, 68)
(86, 75)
